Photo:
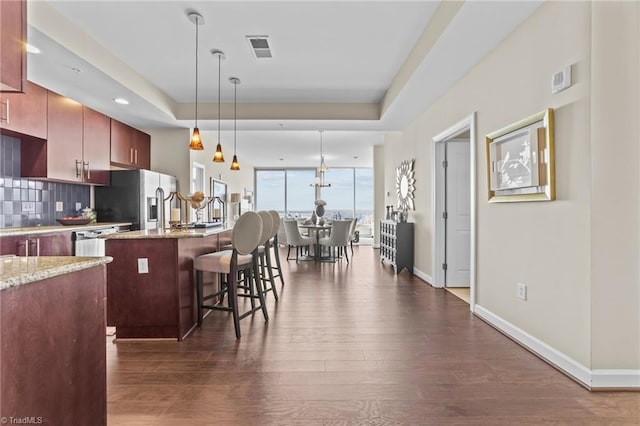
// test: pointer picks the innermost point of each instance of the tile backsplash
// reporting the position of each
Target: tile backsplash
(28, 202)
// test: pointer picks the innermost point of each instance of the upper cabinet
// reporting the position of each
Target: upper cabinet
(64, 127)
(25, 113)
(130, 147)
(77, 145)
(96, 137)
(13, 48)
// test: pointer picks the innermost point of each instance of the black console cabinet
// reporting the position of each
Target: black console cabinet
(396, 244)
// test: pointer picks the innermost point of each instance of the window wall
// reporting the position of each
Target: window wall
(290, 192)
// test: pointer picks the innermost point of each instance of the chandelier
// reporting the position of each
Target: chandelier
(319, 183)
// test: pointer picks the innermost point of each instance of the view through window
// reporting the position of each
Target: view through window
(290, 193)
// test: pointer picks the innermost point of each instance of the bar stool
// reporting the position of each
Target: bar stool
(245, 237)
(275, 244)
(264, 260)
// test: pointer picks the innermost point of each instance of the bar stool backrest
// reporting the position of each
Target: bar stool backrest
(247, 232)
(275, 217)
(267, 225)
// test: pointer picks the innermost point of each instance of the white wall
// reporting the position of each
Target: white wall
(544, 245)
(615, 157)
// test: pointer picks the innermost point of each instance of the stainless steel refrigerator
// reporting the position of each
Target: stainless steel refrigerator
(135, 196)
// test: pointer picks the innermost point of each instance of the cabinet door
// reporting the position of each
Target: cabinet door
(96, 137)
(121, 143)
(142, 150)
(13, 36)
(64, 142)
(14, 245)
(25, 113)
(56, 244)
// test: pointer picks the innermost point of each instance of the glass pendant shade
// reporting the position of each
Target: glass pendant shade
(234, 164)
(196, 140)
(218, 157)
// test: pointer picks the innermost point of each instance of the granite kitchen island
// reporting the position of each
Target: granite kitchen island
(150, 283)
(52, 336)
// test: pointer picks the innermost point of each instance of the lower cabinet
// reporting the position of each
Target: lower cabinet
(54, 244)
(396, 244)
(53, 363)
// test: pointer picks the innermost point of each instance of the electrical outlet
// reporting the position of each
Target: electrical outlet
(522, 291)
(59, 206)
(78, 206)
(143, 265)
(28, 207)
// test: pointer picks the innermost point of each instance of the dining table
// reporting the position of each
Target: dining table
(315, 232)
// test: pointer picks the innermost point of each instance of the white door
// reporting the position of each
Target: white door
(458, 214)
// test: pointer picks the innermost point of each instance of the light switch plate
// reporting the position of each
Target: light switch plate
(143, 265)
(59, 206)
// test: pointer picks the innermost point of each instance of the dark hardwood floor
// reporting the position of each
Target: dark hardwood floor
(350, 345)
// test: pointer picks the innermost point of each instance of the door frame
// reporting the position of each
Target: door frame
(468, 123)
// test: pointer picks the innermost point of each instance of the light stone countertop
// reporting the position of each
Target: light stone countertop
(166, 234)
(35, 230)
(19, 270)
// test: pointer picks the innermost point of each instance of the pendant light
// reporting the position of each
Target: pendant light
(218, 157)
(196, 140)
(319, 183)
(235, 81)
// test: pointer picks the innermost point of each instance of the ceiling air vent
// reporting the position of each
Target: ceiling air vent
(260, 46)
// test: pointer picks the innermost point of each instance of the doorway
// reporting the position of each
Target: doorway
(454, 208)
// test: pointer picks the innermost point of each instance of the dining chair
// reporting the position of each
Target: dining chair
(338, 238)
(294, 239)
(243, 257)
(274, 243)
(264, 259)
(352, 233)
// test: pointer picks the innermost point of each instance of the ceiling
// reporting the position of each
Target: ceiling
(354, 68)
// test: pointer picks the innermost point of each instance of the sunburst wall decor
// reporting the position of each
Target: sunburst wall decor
(405, 185)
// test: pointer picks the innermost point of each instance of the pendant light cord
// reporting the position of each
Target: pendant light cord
(197, 25)
(235, 114)
(219, 61)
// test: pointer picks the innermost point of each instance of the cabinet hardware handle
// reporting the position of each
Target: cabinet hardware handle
(131, 155)
(38, 247)
(26, 248)
(136, 156)
(78, 169)
(88, 170)
(6, 116)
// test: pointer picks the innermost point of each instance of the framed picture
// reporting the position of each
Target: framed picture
(520, 160)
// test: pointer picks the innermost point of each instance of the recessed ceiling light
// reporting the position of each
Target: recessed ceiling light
(76, 70)
(121, 101)
(281, 159)
(355, 157)
(32, 49)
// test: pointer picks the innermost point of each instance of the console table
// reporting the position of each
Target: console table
(396, 244)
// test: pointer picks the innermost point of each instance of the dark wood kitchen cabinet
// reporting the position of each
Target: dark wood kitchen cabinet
(96, 141)
(130, 147)
(64, 127)
(77, 147)
(24, 114)
(54, 244)
(13, 53)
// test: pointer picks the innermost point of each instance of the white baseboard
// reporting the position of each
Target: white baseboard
(593, 379)
(423, 276)
(615, 379)
(555, 357)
